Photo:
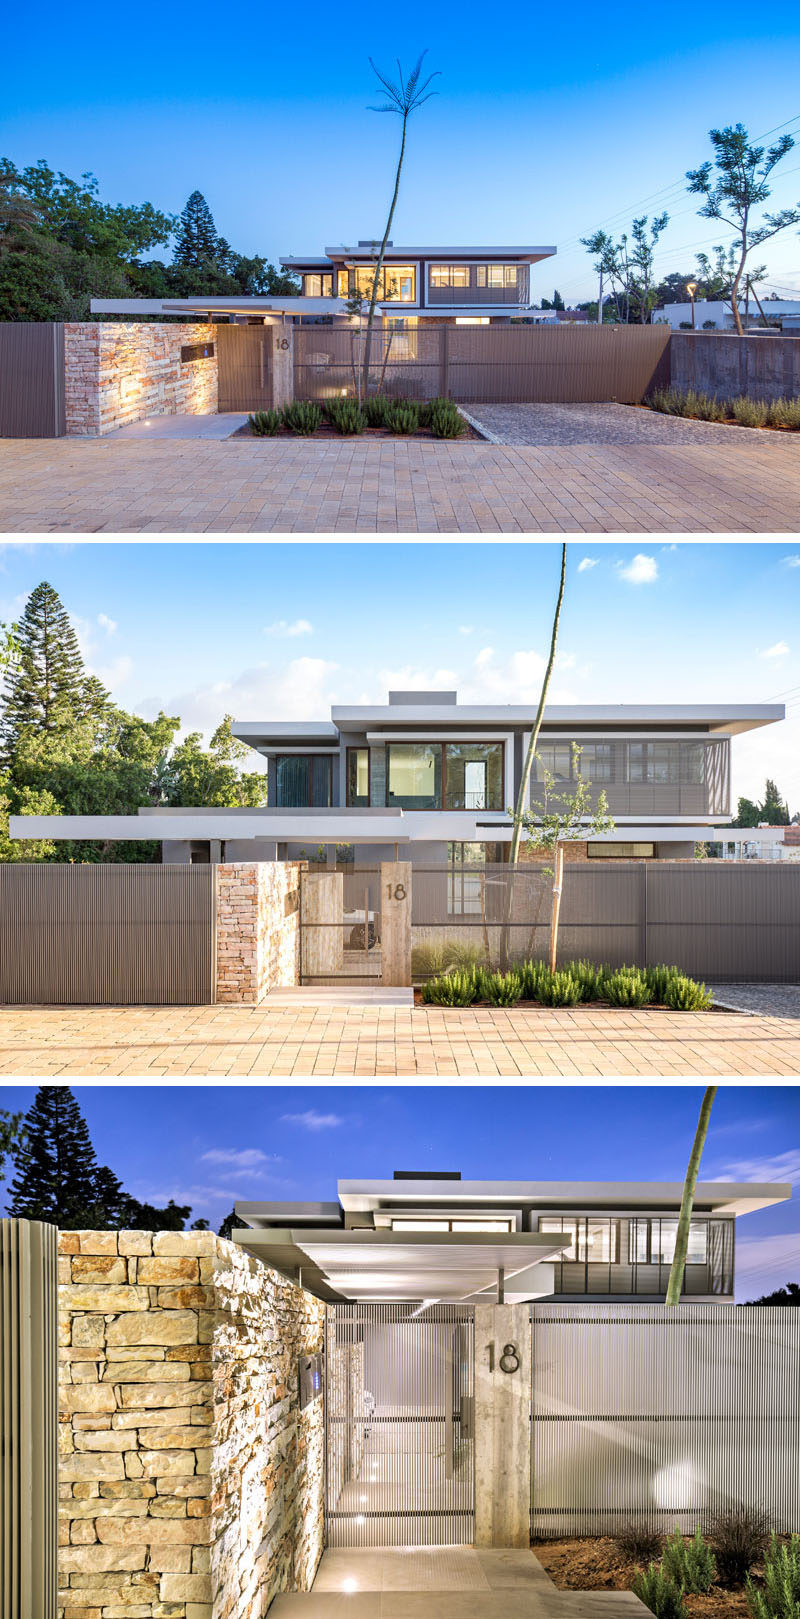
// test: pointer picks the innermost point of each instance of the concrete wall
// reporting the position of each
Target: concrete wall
(258, 929)
(191, 1485)
(725, 365)
(122, 372)
(502, 1424)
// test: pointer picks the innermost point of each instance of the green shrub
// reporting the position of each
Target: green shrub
(784, 413)
(780, 1597)
(710, 409)
(346, 416)
(456, 988)
(463, 953)
(668, 400)
(589, 978)
(376, 410)
(402, 416)
(501, 989)
(660, 1595)
(659, 978)
(749, 412)
(446, 420)
(686, 995)
(265, 423)
(560, 989)
(303, 417)
(739, 1538)
(627, 987)
(533, 975)
(690, 1564)
(428, 960)
(639, 1540)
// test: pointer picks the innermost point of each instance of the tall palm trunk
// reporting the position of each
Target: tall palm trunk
(533, 742)
(379, 266)
(687, 1201)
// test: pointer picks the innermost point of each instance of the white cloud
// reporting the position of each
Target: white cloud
(108, 624)
(642, 570)
(301, 689)
(311, 1120)
(586, 563)
(298, 626)
(781, 1166)
(779, 650)
(239, 1158)
(764, 1263)
(466, 629)
(792, 562)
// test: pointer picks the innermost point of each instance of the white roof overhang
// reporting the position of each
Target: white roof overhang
(718, 1197)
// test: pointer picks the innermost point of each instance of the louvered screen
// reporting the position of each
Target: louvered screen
(28, 1420)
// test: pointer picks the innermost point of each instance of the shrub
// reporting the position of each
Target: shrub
(446, 420)
(345, 416)
(710, 409)
(589, 978)
(780, 1597)
(660, 1595)
(749, 412)
(690, 1564)
(265, 423)
(303, 417)
(784, 413)
(686, 995)
(402, 416)
(739, 1538)
(428, 960)
(627, 987)
(668, 400)
(560, 989)
(462, 953)
(455, 988)
(659, 979)
(709, 325)
(501, 989)
(376, 410)
(639, 1540)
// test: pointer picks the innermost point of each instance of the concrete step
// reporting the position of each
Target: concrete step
(534, 1603)
(328, 995)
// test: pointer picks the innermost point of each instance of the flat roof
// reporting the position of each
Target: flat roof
(365, 250)
(719, 1197)
(727, 718)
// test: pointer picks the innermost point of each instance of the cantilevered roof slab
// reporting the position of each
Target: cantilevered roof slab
(396, 1267)
(575, 1197)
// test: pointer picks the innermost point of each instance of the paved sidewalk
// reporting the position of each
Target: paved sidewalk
(386, 1042)
(741, 482)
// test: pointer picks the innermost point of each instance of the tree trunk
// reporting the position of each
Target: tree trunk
(537, 726)
(379, 265)
(737, 319)
(558, 884)
(687, 1201)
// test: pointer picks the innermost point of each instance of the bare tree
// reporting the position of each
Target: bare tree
(740, 186)
(404, 97)
(675, 1282)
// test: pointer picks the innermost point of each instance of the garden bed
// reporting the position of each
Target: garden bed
(771, 416)
(379, 416)
(589, 1564)
(453, 976)
(326, 431)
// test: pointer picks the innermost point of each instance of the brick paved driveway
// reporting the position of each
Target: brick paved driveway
(369, 1042)
(747, 482)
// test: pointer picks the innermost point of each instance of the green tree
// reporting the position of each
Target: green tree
(11, 1137)
(196, 240)
(747, 813)
(229, 1224)
(24, 801)
(790, 1294)
(643, 293)
(774, 810)
(214, 777)
(70, 212)
(404, 97)
(559, 817)
(46, 680)
(736, 192)
(533, 741)
(675, 1283)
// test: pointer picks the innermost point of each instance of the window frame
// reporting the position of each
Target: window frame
(443, 806)
(313, 760)
(350, 800)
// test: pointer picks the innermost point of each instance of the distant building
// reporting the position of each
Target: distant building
(720, 315)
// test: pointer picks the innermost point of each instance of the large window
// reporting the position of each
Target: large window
(594, 761)
(496, 275)
(660, 762)
(414, 775)
(449, 275)
(303, 780)
(397, 283)
(633, 1254)
(317, 286)
(358, 777)
(450, 775)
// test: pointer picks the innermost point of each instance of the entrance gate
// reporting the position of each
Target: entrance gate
(400, 1425)
(340, 925)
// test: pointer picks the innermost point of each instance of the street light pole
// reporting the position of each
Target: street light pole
(691, 288)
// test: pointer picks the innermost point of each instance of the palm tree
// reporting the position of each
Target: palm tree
(675, 1282)
(519, 813)
(404, 98)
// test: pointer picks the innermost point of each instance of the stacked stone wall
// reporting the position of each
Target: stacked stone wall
(191, 1484)
(258, 929)
(119, 372)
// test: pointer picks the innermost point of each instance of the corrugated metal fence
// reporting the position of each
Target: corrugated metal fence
(32, 384)
(28, 1420)
(571, 364)
(640, 1411)
(244, 367)
(107, 935)
(712, 918)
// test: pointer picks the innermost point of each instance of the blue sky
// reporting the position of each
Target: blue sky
(223, 1143)
(272, 631)
(545, 127)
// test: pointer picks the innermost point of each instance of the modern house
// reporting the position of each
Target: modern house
(434, 779)
(431, 1238)
(473, 286)
(716, 315)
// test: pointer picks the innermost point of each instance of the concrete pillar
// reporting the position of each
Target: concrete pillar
(322, 913)
(502, 1425)
(282, 365)
(396, 922)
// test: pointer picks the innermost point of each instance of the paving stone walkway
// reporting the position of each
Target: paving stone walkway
(737, 481)
(367, 1042)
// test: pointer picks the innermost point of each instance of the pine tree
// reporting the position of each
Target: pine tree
(56, 1165)
(196, 242)
(46, 684)
(773, 809)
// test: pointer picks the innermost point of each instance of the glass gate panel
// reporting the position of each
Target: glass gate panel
(400, 1425)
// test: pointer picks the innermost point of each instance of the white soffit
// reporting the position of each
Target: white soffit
(394, 1266)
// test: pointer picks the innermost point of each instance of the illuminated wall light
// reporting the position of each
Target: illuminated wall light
(350, 1584)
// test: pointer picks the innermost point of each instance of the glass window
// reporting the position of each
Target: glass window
(474, 775)
(302, 780)
(596, 762)
(664, 1233)
(414, 775)
(481, 1225)
(555, 1225)
(343, 283)
(420, 1225)
(396, 282)
(602, 1241)
(449, 275)
(556, 759)
(638, 1242)
(620, 851)
(358, 777)
(499, 275)
(312, 286)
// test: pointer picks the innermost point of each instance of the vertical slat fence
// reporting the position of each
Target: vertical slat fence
(28, 1420)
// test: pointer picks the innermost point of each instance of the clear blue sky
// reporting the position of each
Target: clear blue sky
(546, 126)
(281, 631)
(222, 1143)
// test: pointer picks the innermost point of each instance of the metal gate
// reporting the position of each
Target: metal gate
(244, 367)
(340, 925)
(400, 1425)
(32, 383)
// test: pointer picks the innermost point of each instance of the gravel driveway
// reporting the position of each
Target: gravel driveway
(609, 424)
(768, 1000)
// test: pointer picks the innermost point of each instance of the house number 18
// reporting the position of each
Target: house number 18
(396, 891)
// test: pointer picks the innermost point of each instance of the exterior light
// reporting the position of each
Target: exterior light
(349, 1585)
(691, 288)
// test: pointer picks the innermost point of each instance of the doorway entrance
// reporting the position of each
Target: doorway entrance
(400, 1425)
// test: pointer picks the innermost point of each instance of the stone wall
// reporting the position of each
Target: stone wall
(258, 928)
(725, 365)
(191, 1485)
(122, 372)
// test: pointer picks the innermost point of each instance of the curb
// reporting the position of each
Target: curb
(490, 438)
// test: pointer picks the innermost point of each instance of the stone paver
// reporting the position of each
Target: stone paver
(738, 482)
(368, 1042)
(771, 1000)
